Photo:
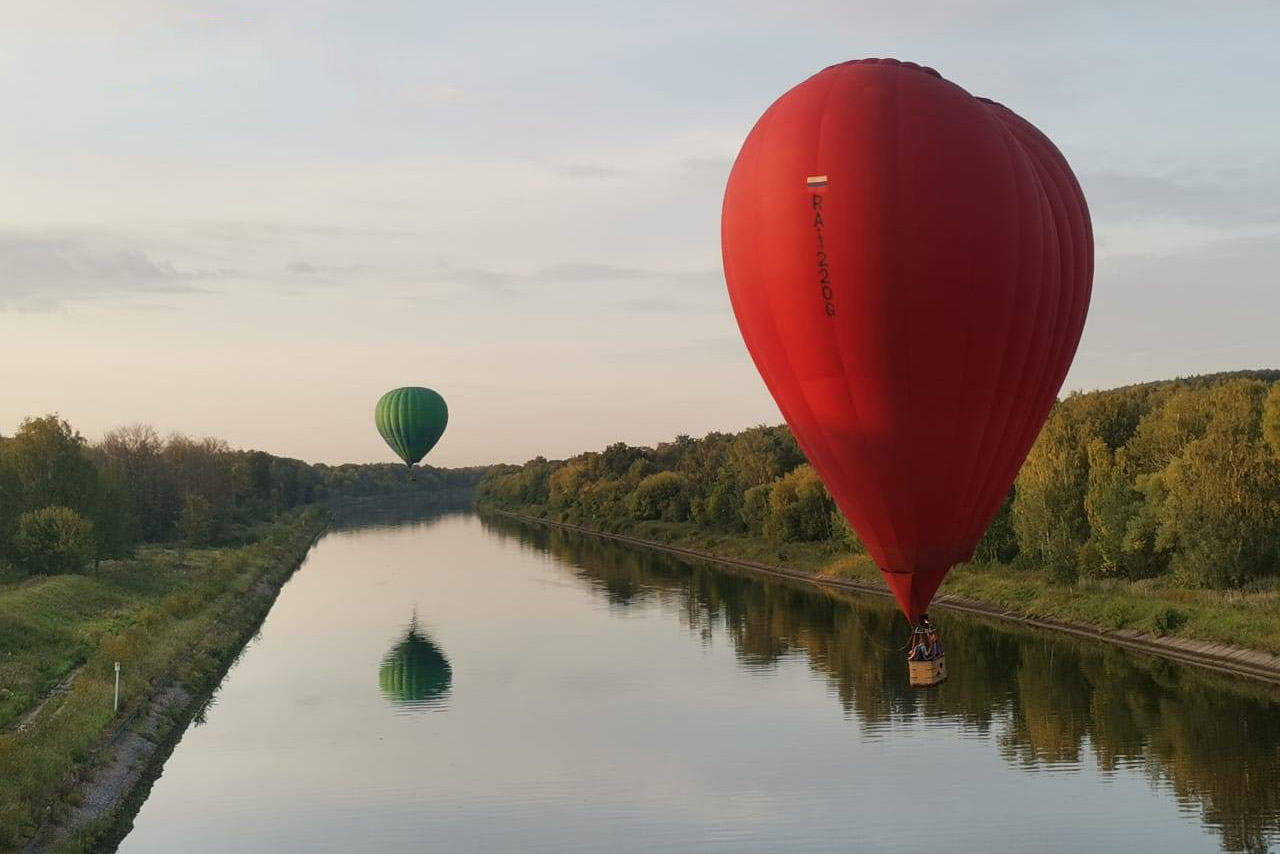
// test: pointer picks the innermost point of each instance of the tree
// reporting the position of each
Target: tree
(1048, 504)
(251, 474)
(115, 528)
(618, 458)
(723, 507)
(1271, 419)
(10, 500)
(196, 525)
(762, 454)
(53, 540)
(49, 462)
(799, 507)
(1119, 542)
(755, 507)
(134, 455)
(1000, 542)
(566, 482)
(664, 495)
(1216, 506)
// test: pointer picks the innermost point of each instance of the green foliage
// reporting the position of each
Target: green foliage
(157, 615)
(51, 467)
(135, 487)
(1170, 478)
(1217, 504)
(1271, 419)
(1000, 543)
(664, 495)
(115, 527)
(1048, 505)
(799, 507)
(196, 525)
(755, 507)
(844, 535)
(53, 540)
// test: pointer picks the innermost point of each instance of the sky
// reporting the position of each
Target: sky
(248, 219)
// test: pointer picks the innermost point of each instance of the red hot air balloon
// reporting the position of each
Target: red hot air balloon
(910, 267)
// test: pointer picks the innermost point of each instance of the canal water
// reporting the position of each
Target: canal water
(466, 684)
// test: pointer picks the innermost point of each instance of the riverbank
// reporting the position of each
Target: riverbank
(1188, 626)
(74, 771)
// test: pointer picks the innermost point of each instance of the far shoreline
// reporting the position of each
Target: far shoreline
(1221, 657)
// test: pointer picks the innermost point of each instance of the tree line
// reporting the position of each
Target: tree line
(1179, 478)
(66, 502)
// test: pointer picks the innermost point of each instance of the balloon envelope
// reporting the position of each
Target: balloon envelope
(910, 267)
(415, 672)
(411, 420)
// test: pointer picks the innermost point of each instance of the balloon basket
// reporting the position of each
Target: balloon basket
(922, 674)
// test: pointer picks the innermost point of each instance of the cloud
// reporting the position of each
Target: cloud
(1224, 197)
(586, 271)
(659, 304)
(588, 170)
(248, 230)
(1204, 308)
(577, 273)
(40, 272)
(306, 268)
(441, 93)
(489, 281)
(708, 166)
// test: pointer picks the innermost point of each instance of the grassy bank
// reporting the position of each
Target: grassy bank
(168, 615)
(1156, 606)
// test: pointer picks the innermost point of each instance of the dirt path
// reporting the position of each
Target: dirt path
(56, 692)
(1224, 658)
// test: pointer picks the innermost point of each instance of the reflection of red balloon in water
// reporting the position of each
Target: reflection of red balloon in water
(910, 267)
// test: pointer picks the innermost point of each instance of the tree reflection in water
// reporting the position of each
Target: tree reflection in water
(1049, 702)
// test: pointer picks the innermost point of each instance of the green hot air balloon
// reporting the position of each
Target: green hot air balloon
(411, 419)
(414, 673)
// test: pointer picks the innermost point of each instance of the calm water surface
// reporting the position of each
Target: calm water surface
(458, 684)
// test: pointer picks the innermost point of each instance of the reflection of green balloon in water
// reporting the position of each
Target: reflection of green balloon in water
(412, 420)
(415, 672)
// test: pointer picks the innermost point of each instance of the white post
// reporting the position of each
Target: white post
(116, 706)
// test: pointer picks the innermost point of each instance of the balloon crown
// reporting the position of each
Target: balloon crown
(878, 61)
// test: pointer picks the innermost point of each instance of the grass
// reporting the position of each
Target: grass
(164, 615)
(1154, 606)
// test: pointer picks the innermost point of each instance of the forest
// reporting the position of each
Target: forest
(1176, 479)
(66, 503)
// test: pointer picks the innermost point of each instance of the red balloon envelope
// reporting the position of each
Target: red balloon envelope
(910, 267)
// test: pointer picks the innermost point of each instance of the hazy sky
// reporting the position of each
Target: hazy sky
(250, 219)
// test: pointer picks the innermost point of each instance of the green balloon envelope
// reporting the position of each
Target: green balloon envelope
(415, 672)
(412, 420)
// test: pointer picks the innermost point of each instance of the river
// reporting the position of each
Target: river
(465, 684)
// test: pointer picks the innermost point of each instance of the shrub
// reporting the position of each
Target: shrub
(664, 496)
(1167, 620)
(799, 507)
(53, 540)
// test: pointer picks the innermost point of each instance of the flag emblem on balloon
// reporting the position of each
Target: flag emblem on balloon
(816, 181)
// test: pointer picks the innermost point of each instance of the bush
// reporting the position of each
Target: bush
(664, 496)
(755, 507)
(842, 532)
(1167, 620)
(799, 507)
(53, 540)
(196, 524)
